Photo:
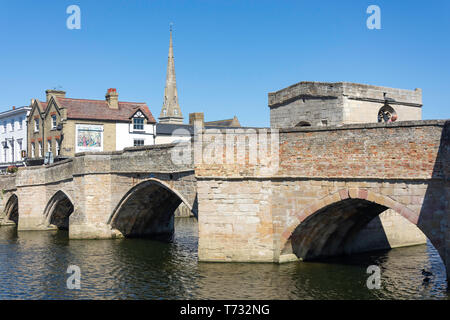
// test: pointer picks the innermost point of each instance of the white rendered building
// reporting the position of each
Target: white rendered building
(13, 136)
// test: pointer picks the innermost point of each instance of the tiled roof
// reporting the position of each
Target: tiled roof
(234, 122)
(99, 109)
(42, 105)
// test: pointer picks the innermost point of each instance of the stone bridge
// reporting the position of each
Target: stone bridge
(102, 195)
(329, 183)
(260, 196)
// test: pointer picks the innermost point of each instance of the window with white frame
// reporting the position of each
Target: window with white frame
(12, 124)
(36, 125)
(49, 145)
(54, 121)
(138, 142)
(20, 123)
(5, 124)
(33, 149)
(40, 148)
(138, 123)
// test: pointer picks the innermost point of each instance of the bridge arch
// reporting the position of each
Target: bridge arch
(147, 210)
(328, 226)
(58, 210)
(12, 209)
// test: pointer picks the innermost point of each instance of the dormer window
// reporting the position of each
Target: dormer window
(138, 123)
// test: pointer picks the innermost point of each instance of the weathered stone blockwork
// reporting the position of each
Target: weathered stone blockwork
(349, 174)
(95, 184)
(322, 104)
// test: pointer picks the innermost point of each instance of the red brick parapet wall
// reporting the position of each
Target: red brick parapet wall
(405, 150)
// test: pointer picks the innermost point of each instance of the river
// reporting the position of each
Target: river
(33, 265)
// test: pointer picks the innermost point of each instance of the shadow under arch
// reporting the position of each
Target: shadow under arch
(147, 210)
(328, 227)
(12, 209)
(58, 210)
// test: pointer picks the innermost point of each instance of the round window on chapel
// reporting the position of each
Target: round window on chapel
(387, 114)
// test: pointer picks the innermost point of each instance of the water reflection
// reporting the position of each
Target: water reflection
(33, 266)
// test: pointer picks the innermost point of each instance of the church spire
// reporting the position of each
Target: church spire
(171, 112)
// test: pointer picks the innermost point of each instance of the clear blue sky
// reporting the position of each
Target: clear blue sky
(228, 54)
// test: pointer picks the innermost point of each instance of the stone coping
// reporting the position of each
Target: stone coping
(292, 177)
(342, 83)
(129, 149)
(375, 125)
(399, 124)
(340, 89)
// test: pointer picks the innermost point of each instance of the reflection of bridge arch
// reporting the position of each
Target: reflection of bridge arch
(328, 226)
(12, 209)
(58, 210)
(147, 210)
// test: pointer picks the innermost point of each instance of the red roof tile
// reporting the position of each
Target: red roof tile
(99, 109)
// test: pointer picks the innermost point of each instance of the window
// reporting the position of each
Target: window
(138, 123)
(54, 122)
(33, 149)
(387, 114)
(49, 145)
(165, 112)
(12, 124)
(58, 147)
(12, 151)
(19, 144)
(175, 112)
(36, 125)
(40, 148)
(138, 142)
(20, 123)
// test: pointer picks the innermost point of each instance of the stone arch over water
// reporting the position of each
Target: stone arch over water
(12, 209)
(58, 210)
(328, 227)
(147, 210)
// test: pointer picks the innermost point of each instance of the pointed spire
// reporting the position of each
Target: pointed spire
(171, 112)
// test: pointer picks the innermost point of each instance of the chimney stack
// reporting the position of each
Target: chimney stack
(112, 97)
(196, 118)
(56, 93)
(14, 107)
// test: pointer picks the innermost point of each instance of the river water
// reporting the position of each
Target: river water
(33, 265)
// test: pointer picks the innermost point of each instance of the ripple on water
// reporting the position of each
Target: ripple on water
(34, 264)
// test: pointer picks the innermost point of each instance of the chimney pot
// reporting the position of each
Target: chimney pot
(112, 98)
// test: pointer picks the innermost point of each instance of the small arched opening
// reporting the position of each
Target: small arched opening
(147, 211)
(58, 210)
(303, 124)
(12, 209)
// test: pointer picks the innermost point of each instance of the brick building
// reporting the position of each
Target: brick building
(66, 126)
